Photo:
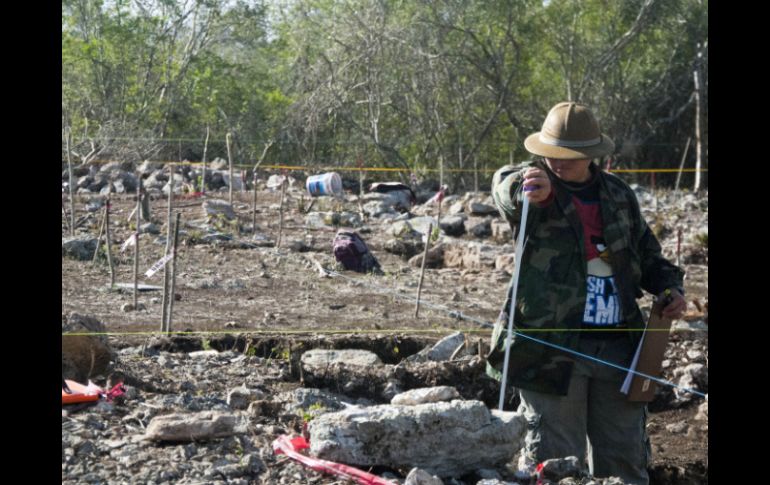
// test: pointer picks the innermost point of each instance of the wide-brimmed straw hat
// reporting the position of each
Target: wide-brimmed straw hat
(570, 131)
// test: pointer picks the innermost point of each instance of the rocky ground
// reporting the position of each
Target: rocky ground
(265, 307)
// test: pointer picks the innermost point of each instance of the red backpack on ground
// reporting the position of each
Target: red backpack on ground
(351, 251)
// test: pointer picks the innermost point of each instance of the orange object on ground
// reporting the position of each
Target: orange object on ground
(80, 393)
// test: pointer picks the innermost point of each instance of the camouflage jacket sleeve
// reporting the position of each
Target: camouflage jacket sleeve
(658, 273)
(506, 192)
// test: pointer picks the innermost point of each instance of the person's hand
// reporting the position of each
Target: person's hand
(675, 309)
(536, 177)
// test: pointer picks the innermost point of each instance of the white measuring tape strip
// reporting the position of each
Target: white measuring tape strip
(160, 264)
(129, 242)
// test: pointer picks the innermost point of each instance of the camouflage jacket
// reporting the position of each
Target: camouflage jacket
(552, 279)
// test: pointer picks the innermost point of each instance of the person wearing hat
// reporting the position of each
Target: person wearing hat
(588, 254)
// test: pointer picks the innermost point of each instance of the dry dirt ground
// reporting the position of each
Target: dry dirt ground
(274, 300)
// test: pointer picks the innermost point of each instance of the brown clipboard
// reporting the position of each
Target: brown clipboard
(650, 360)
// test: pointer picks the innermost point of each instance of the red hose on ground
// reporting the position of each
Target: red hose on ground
(291, 446)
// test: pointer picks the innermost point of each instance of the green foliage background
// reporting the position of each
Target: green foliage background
(391, 82)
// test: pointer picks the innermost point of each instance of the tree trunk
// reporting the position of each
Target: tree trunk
(681, 166)
(698, 151)
(69, 169)
(205, 149)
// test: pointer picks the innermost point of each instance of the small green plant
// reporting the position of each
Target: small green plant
(435, 234)
(206, 344)
(251, 352)
(317, 407)
(238, 449)
(194, 236)
(312, 411)
(278, 353)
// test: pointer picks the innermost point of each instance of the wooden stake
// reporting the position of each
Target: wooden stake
(360, 187)
(280, 224)
(230, 158)
(99, 239)
(136, 243)
(169, 318)
(679, 247)
(475, 174)
(68, 134)
(109, 242)
(166, 272)
(422, 270)
(205, 148)
(256, 166)
(254, 209)
(441, 170)
(460, 162)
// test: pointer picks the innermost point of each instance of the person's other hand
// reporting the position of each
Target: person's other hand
(675, 309)
(538, 178)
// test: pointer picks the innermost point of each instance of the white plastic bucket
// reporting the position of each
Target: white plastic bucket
(324, 184)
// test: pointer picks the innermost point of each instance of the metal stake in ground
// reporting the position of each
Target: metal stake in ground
(230, 158)
(422, 270)
(173, 274)
(68, 134)
(514, 288)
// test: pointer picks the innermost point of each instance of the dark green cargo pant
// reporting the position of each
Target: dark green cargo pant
(594, 408)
